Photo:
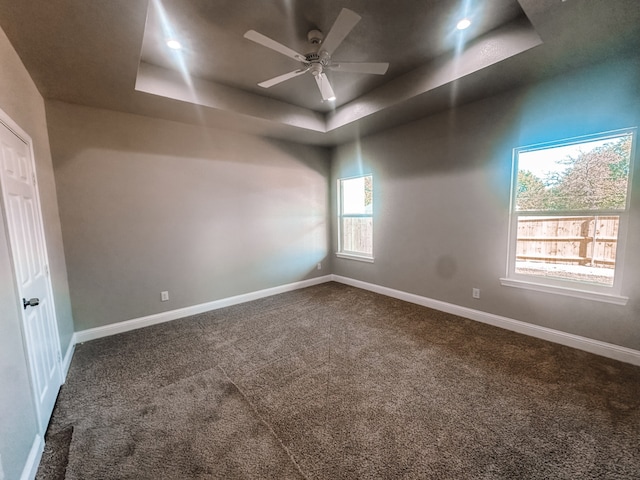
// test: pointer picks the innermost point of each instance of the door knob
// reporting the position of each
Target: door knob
(30, 303)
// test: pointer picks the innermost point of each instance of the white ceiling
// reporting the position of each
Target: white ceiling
(111, 54)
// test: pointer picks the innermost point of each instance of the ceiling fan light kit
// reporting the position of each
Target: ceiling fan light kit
(320, 61)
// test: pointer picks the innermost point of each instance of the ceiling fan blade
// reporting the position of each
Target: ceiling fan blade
(340, 29)
(360, 67)
(273, 45)
(325, 87)
(282, 78)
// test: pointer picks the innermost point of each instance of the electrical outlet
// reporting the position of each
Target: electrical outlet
(476, 293)
(319, 266)
(164, 296)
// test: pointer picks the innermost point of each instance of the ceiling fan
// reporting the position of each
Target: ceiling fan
(320, 61)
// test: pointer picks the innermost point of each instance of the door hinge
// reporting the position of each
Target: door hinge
(33, 177)
(46, 269)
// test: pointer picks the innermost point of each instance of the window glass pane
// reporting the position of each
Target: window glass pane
(357, 235)
(357, 196)
(574, 248)
(591, 175)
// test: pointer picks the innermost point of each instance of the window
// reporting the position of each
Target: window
(355, 218)
(570, 204)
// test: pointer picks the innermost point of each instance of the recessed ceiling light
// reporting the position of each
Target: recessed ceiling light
(463, 24)
(174, 44)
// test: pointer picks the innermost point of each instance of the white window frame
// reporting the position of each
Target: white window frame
(567, 287)
(341, 253)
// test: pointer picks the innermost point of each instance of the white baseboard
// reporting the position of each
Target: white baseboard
(133, 324)
(33, 460)
(597, 347)
(604, 349)
(66, 361)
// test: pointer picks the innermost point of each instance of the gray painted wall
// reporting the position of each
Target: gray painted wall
(149, 205)
(20, 99)
(441, 199)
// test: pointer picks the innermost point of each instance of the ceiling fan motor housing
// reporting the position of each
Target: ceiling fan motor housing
(322, 59)
(316, 61)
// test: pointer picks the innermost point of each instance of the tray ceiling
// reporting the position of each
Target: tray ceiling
(112, 55)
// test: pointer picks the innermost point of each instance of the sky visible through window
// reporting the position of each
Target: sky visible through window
(354, 197)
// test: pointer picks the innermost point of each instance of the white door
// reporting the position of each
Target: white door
(26, 236)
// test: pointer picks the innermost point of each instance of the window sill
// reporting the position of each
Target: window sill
(570, 292)
(354, 256)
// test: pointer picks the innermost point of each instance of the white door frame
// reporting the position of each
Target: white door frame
(22, 135)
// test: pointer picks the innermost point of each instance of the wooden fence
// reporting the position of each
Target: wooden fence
(568, 240)
(357, 234)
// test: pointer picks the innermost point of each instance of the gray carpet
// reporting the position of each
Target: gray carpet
(333, 382)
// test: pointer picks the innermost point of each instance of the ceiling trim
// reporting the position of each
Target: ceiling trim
(487, 50)
(171, 84)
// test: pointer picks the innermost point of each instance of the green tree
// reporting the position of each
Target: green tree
(532, 193)
(596, 179)
(368, 190)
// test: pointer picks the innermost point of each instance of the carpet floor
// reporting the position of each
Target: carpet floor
(334, 382)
